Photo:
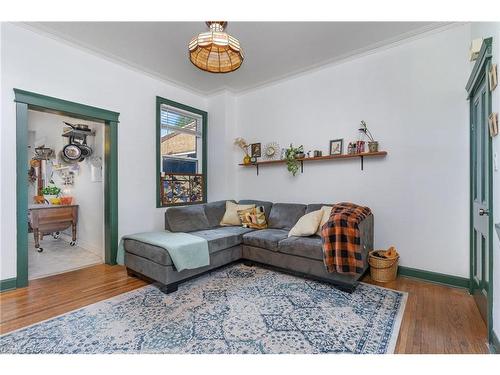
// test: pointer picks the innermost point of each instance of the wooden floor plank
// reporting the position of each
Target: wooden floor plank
(437, 319)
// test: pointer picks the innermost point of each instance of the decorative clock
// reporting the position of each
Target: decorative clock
(272, 151)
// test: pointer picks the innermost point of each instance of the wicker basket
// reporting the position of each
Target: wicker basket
(382, 269)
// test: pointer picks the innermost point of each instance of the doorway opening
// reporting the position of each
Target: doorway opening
(53, 170)
(65, 193)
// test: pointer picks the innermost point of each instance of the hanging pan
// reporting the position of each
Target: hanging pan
(85, 150)
(71, 151)
(65, 160)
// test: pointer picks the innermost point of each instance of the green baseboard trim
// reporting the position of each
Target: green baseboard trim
(8, 284)
(494, 343)
(439, 278)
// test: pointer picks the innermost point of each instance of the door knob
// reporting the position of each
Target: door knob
(483, 212)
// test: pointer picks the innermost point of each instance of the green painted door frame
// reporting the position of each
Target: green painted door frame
(25, 101)
(478, 75)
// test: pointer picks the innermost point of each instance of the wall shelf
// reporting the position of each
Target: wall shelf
(327, 157)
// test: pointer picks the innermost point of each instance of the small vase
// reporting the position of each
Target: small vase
(246, 159)
(373, 146)
(49, 197)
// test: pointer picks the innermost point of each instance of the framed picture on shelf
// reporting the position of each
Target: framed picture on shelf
(492, 77)
(256, 150)
(493, 123)
(336, 147)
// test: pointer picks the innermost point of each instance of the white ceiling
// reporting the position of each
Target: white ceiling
(272, 50)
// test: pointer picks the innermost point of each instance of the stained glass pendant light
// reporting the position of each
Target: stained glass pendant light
(215, 51)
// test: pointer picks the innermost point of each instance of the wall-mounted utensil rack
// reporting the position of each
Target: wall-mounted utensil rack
(77, 133)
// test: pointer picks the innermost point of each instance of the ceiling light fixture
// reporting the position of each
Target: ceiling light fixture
(215, 51)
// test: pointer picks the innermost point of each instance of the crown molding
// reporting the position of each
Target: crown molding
(96, 52)
(386, 44)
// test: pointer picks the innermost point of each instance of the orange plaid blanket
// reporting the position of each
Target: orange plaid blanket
(341, 240)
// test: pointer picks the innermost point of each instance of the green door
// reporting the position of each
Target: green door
(481, 197)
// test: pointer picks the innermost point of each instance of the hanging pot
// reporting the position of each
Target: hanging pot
(65, 160)
(72, 152)
(86, 150)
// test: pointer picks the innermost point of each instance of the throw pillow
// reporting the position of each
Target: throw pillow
(307, 224)
(326, 210)
(253, 218)
(231, 215)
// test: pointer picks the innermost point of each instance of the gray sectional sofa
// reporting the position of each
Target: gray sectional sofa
(272, 247)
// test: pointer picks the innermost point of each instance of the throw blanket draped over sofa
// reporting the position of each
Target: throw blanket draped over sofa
(341, 238)
(186, 251)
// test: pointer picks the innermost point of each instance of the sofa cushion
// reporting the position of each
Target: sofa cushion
(285, 215)
(267, 205)
(265, 238)
(306, 247)
(144, 250)
(186, 218)
(315, 207)
(214, 212)
(218, 239)
(223, 237)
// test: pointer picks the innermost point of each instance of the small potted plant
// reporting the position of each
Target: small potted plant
(50, 192)
(372, 143)
(291, 156)
(241, 143)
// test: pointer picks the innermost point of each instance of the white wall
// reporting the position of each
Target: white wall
(486, 30)
(89, 195)
(37, 63)
(222, 130)
(413, 99)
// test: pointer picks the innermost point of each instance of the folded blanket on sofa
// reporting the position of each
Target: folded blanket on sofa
(187, 251)
(341, 239)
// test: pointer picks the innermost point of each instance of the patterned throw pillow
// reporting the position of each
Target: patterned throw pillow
(231, 216)
(253, 218)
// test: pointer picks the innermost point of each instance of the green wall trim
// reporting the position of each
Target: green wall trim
(8, 284)
(440, 278)
(65, 107)
(478, 74)
(479, 66)
(494, 343)
(22, 194)
(25, 101)
(204, 115)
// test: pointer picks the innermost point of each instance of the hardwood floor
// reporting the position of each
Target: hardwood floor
(55, 295)
(437, 319)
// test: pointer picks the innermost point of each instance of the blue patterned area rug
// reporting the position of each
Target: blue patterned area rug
(237, 309)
